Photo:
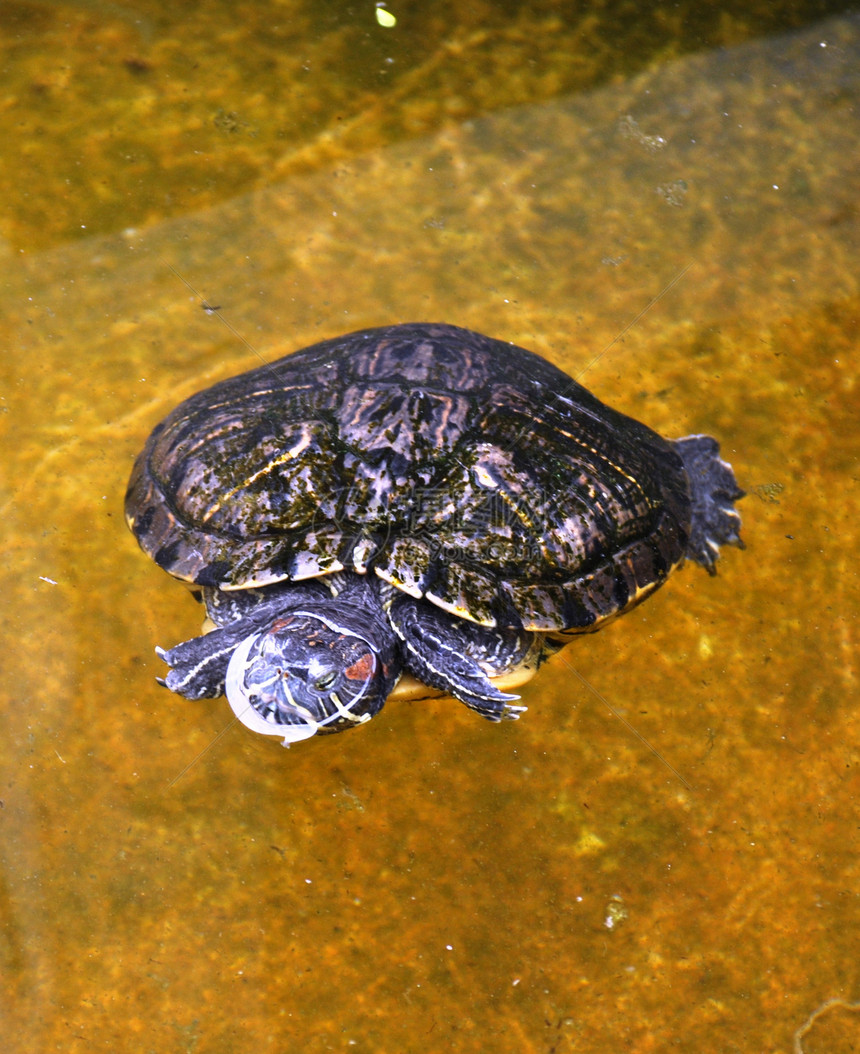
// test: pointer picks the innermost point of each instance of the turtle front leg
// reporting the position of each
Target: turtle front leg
(459, 656)
(198, 666)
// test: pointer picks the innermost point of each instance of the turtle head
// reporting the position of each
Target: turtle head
(306, 673)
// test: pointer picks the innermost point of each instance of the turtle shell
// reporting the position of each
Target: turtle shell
(456, 467)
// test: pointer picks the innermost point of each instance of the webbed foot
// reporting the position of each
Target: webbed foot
(713, 493)
(440, 648)
(198, 666)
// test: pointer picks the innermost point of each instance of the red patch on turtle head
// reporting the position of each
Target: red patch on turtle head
(361, 670)
(279, 624)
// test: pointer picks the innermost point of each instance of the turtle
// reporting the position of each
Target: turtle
(414, 499)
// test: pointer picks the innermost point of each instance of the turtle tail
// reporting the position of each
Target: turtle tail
(713, 492)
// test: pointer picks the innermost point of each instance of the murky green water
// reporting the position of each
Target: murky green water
(663, 853)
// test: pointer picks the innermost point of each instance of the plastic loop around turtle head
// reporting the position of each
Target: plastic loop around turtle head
(243, 708)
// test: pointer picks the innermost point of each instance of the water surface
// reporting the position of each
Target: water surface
(663, 853)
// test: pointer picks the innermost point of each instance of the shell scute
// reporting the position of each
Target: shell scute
(452, 465)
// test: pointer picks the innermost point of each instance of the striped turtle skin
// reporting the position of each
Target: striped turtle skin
(467, 500)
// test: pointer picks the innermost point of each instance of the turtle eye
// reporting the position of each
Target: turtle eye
(323, 683)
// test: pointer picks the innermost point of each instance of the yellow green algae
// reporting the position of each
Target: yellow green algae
(128, 113)
(663, 853)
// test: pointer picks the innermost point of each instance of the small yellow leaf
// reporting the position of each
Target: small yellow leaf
(385, 18)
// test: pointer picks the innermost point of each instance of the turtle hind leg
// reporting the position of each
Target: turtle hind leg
(713, 493)
(436, 649)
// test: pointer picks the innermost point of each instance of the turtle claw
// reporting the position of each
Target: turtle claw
(512, 713)
(497, 712)
(476, 690)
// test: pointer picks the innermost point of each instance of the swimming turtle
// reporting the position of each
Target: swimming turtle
(415, 498)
